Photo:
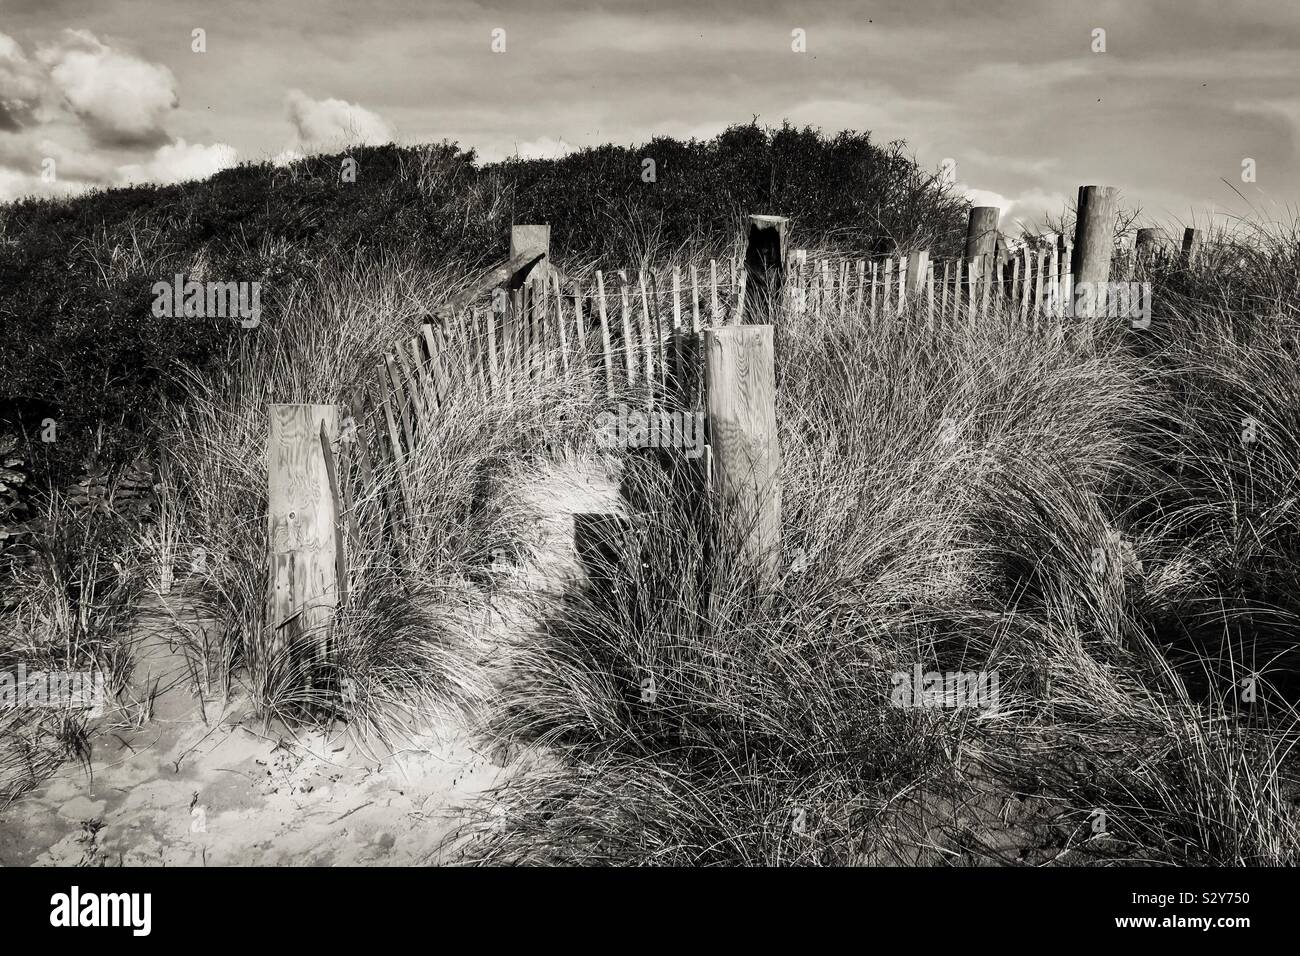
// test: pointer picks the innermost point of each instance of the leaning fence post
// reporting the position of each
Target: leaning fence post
(740, 377)
(529, 241)
(764, 267)
(1094, 243)
(302, 517)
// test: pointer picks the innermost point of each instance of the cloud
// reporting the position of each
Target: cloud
(17, 184)
(81, 114)
(180, 161)
(1026, 212)
(121, 99)
(21, 82)
(323, 124)
(544, 147)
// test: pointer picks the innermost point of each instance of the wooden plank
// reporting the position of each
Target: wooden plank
(1025, 286)
(410, 383)
(677, 324)
(541, 354)
(713, 280)
(510, 325)
(989, 277)
(394, 440)
(1051, 281)
(741, 384)
(440, 383)
(628, 341)
(402, 401)
(347, 452)
(1015, 279)
(604, 333)
(490, 344)
(559, 318)
(646, 331)
(862, 282)
(844, 286)
(929, 295)
(423, 378)
(577, 314)
(657, 325)
(336, 499)
(972, 280)
(943, 304)
(361, 430)
(888, 284)
(695, 300)
(301, 518)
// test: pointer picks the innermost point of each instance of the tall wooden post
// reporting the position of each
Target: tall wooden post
(746, 456)
(764, 267)
(301, 521)
(1094, 242)
(982, 236)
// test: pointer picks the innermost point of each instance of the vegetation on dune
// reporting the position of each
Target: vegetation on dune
(79, 343)
(1107, 522)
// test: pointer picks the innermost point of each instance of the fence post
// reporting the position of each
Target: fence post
(529, 241)
(301, 524)
(1146, 245)
(1094, 242)
(918, 263)
(982, 237)
(1191, 243)
(741, 382)
(764, 267)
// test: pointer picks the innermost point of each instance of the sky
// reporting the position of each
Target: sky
(1190, 107)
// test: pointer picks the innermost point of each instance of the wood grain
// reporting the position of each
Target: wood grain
(746, 456)
(301, 524)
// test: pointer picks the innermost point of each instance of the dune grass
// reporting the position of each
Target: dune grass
(1086, 521)
(1106, 522)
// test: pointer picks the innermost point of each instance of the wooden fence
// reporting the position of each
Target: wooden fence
(638, 332)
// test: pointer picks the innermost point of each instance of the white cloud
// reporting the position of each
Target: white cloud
(180, 161)
(17, 184)
(320, 125)
(21, 82)
(82, 114)
(544, 147)
(1025, 212)
(121, 99)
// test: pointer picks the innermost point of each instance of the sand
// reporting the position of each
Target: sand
(205, 783)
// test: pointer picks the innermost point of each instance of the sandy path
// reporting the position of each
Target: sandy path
(208, 785)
